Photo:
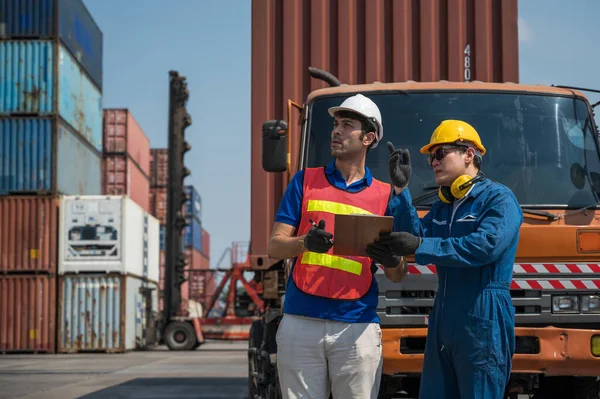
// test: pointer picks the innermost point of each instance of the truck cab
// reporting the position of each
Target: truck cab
(542, 143)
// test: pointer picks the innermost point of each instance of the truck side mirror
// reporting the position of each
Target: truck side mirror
(274, 146)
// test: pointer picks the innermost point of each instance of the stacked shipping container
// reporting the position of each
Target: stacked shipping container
(50, 145)
(108, 262)
(126, 157)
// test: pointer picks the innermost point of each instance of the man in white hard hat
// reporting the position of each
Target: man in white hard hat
(329, 339)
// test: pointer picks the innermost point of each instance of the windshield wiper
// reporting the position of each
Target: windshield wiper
(549, 215)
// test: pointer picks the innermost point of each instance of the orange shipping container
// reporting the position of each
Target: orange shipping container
(123, 135)
(159, 167)
(28, 234)
(27, 313)
(121, 176)
(196, 260)
(362, 42)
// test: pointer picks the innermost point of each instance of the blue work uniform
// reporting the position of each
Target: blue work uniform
(473, 243)
(296, 302)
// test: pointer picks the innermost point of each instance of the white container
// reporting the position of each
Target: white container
(107, 233)
(106, 313)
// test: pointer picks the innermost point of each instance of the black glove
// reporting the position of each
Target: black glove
(383, 255)
(399, 166)
(400, 243)
(317, 239)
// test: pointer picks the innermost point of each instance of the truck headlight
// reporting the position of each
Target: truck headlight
(590, 303)
(565, 304)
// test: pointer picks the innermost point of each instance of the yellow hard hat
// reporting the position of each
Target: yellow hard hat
(451, 131)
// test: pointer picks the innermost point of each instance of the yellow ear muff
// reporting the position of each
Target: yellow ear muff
(456, 189)
(459, 188)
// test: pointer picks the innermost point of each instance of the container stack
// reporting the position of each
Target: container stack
(108, 264)
(126, 157)
(196, 240)
(50, 145)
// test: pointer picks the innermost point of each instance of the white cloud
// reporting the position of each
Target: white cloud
(525, 32)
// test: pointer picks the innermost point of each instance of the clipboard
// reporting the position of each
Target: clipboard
(354, 232)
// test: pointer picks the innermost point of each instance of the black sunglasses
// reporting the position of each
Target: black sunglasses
(441, 152)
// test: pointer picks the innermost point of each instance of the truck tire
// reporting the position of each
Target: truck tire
(255, 338)
(180, 336)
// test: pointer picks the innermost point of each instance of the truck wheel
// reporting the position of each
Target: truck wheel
(180, 336)
(255, 338)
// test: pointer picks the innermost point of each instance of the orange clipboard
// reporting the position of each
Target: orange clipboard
(354, 232)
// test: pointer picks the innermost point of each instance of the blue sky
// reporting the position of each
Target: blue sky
(208, 41)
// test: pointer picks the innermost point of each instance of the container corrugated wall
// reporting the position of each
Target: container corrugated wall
(79, 101)
(91, 313)
(28, 313)
(28, 234)
(205, 243)
(192, 235)
(159, 167)
(121, 176)
(35, 19)
(122, 134)
(363, 41)
(27, 159)
(26, 77)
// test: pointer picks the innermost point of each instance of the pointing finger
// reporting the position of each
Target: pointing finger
(391, 147)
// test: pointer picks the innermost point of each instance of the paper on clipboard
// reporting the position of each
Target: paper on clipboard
(354, 232)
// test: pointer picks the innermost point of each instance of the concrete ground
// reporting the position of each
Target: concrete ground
(215, 370)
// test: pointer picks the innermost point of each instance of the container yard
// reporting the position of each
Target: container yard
(127, 157)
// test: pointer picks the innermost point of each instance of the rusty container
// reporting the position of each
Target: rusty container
(159, 167)
(29, 234)
(362, 41)
(27, 313)
(121, 176)
(102, 312)
(123, 135)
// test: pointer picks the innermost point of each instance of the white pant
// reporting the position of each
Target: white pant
(316, 357)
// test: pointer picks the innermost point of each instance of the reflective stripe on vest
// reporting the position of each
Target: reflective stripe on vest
(328, 275)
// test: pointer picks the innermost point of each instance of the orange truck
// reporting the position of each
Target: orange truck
(542, 143)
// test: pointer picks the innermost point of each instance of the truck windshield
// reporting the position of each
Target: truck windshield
(543, 147)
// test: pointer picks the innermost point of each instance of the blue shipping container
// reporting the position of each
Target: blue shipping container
(28, 72)
(184, 241)
(28, 163)
(192, 235)
(35, 19)
(193, 207)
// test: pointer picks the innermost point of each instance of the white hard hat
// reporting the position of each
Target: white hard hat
(364, 106)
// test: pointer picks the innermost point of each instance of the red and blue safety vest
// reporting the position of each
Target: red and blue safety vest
(324, 274)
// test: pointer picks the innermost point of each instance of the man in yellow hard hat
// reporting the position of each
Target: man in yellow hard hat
(470, 234)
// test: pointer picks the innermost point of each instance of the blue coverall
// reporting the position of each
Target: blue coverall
(470, 339)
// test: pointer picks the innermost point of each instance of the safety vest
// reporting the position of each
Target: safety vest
(324, 274)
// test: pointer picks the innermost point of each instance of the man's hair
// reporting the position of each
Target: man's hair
(476, 159)
(366, 125)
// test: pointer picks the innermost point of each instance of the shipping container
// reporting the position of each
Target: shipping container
(121, 176)
(162, 239)
(193, 207)
(205, 243)
(385, 41)
(28, 74)
(158, 204)
(36, 19)
(192, 235)
(28, 239)
(196, 260)
(123, 135)
(107, 234)
(202, 285)
(42, 155)
(106, 313)
(159, 167)
(28, 313)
